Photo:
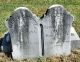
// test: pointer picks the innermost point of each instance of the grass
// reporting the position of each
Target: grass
(39, 8)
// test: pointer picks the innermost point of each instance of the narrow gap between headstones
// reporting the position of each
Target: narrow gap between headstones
(42, 39)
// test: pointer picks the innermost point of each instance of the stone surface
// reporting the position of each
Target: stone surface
(74, 35)
(75, 40)
(24, 30)
(49, 35)
(56, 28)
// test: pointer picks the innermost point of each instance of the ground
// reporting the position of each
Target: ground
(73, 57)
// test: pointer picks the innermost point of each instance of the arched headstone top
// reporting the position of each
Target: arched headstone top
(23, 10)
(22, 14)
(56, 5)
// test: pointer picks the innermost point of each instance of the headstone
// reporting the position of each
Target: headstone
(75, 40)
(74, 35)
(24, 30)
(56, 28)
(46, 36)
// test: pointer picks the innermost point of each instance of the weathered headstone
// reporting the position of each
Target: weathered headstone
(33, 37)
(24, 30)
(56, 28)
(75, 40)
(74, 35)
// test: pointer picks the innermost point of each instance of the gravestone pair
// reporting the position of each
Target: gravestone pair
(36, 37)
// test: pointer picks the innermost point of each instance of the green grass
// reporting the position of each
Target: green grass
(39, 7)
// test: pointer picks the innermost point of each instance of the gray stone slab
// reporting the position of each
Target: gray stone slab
(75, 40)
(56, 28)
(24, 30)
(74, 35)
(75, 44)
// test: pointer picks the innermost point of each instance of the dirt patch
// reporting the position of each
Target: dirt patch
(74, 57)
